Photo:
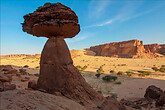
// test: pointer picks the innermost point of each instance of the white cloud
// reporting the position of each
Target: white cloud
(126, 13)
(97, 8)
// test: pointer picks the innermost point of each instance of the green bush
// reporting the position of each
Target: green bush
(129, 73)
(114, 78)
(114, 95)
(145, 73)
(37, 75)
(100, 70)
(155, 68)
(120, 73)
(109, 78)
(81, 68)
(162, 69)
(98, 75)
(112, 71)
(26, 66)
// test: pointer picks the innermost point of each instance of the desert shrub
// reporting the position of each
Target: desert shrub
(84, 67)
(120, 73)
(109, 78)
(114, 95)
(112, 71)
(155, 68)
(81, 68)
(26, 66)
(118, 82)
(100, 70)
(37, 75)
(98, 75)
(162, 69)
(114, 78)
(163, 66)
(145, 73)
(37, 66)
(122, 65)
(129, 73)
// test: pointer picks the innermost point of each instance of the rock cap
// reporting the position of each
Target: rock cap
(52, 20)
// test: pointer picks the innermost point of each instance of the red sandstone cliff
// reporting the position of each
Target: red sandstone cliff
(156, 48)
(125, 49)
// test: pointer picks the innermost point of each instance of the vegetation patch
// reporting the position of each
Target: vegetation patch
(26, 66)
(109, 78)
(120, 73)
(37, 75)
(112, 71)
(129, 73)
(145, 73)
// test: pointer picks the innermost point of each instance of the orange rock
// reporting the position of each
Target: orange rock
(125, 49)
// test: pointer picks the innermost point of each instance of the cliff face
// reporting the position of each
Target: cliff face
(156, 48)
(125, 49)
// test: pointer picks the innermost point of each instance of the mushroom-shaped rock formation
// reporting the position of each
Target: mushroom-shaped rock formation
(52, 20)
(57, 73)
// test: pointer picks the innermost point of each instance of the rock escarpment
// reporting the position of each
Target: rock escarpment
(57, 73)
(156, 48)
(125, 49)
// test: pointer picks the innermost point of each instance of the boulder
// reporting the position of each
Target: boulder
(111, 104)
(32, 84)
(161, 100)
(153, 92)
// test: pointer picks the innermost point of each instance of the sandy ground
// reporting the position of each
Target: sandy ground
(130, 87)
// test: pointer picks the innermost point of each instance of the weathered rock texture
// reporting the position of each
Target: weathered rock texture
(156, 48)
(125, 49)
(52, 20)
(57, 73)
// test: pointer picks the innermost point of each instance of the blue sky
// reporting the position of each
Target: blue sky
(101, 21)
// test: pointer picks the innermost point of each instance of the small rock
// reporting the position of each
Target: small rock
(5, 67)
(32, 84)
(23, 71)
(11, 71)
(25, 79)
(9, 87)
(18, 74)
(5, 78)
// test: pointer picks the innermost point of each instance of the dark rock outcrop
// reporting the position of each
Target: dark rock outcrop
(153, 92)
(57, 73)
(125, 49)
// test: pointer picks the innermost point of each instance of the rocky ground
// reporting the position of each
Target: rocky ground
(129, 91)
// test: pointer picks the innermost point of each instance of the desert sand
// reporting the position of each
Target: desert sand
(130, 88)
